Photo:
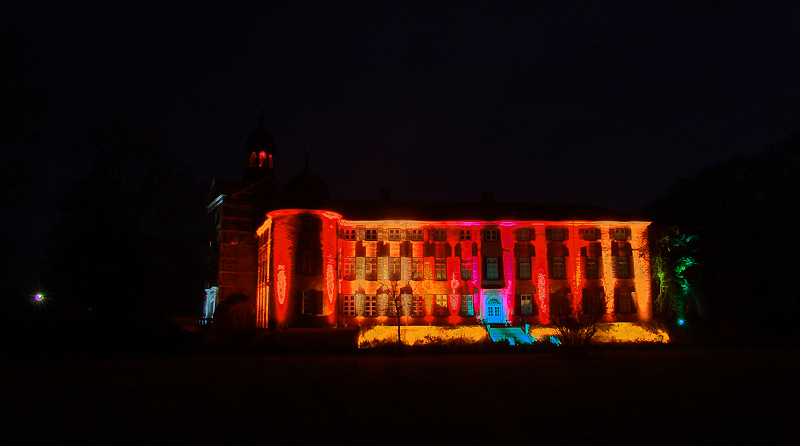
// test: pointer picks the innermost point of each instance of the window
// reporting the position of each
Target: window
(465, 234)
(526, 304)
(349, 305)
(559, 271)
(394, 268)
(559, 305)
(590, 234)
(371, 234)
(394, 304)
(625, 303)
(394, 235)
(490, 235)
(524, 267)
(593, 303)
(417, 266)
(523, 235)
(349, 268)
(492, 271)
(622, 267)
(441, 268)
(312, 302)
(417, 306)
(556, 234)
(466, 268)
(371, 269)
(309, 262)
(620, 234)
(416, 235)
(592, 271)
(441, 308)
(349, 234)
(467, 305)
(440, 235)
(371, 306)
(310, 223)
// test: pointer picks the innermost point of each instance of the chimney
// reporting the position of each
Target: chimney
(386, 194)
(488, 196)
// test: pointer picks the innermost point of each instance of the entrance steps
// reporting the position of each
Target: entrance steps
(514, 335)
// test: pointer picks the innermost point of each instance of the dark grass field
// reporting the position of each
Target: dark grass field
(650, 396)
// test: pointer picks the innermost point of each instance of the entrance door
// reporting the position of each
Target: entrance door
(494, 311)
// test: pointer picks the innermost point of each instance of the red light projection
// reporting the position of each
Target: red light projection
(350, 264)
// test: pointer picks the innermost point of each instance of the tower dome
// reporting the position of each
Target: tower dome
(259, 153)
(305, 191)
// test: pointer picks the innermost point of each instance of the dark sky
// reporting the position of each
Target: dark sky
(592, 102)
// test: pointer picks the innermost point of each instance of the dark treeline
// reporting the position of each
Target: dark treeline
(743, 214)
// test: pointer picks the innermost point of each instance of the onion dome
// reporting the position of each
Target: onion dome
(305, 191)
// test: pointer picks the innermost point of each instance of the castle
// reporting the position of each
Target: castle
(303, 259)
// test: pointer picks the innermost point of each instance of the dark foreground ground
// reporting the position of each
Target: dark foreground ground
(651, 396)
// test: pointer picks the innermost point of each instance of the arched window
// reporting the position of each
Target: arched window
(252, 161)
(262, 157)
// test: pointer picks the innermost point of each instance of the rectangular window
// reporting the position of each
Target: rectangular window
(467, 305)
(349, 305)
(310, 223)
(556, 234)
(416, 235)
(394, 304)
(309, 262)
(441, 308)
(591, 268)
(593, 303)
(441, 268)
(622, 267)
(620, 234)
(466, 268)
(417, 268)
(559, 270)
(560, 305)
(490, 235)
(624, 303)
(371, 306)
(524, 267)
(394, 268)
(526, 304)
(465, 234)
(371, 234)
(440, 235)
(417, 306)
(492, 271)
(523, 235)
(394, 235)
(349, 234)
(371, 268)
(349, 268)
(590, 234)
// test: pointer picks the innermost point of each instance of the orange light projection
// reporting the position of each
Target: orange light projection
(357, 260)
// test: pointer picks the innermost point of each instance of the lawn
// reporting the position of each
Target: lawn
(650, 396)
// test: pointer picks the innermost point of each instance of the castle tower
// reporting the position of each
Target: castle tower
(259, 154)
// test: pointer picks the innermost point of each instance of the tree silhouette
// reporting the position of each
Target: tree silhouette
(129, 227)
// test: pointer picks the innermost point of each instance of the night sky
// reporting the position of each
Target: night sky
(605, 103)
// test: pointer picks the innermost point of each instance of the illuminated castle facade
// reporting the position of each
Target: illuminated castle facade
(301, 259)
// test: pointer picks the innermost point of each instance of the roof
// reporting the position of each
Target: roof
(480, 211)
